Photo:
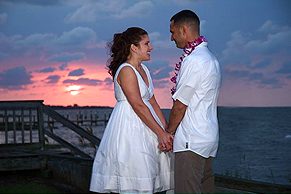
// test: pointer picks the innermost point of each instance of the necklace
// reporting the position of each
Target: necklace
(187, 51)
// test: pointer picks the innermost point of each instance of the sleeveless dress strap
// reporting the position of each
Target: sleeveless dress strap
(119, 69)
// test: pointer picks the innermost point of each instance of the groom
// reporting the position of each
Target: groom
(193, 117)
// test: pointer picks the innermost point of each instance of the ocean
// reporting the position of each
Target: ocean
(255, 143)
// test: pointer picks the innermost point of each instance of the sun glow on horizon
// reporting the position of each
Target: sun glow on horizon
(73, 89)
(74, 93)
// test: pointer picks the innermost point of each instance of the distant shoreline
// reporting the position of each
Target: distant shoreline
(80, 107)
(110, 107)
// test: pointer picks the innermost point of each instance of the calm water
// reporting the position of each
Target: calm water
(255, 143)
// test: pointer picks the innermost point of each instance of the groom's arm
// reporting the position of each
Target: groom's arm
(176, 116)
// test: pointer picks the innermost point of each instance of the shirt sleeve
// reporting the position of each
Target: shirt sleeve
(189, 79)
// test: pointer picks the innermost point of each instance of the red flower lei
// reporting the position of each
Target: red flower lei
(187, 51)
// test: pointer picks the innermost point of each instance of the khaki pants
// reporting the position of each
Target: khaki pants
(193, 173)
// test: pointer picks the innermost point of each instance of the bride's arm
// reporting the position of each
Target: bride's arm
(129, 84)
(158, 111)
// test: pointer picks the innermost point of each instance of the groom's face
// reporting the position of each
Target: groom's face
(177, 35)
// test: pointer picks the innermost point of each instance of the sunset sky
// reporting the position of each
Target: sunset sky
(55, 50)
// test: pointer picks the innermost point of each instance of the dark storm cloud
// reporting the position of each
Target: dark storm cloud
(253, 77)
(63, 66)
(3, 18)
(15, 78)
(52, 79)
(84, 81)
(285, 69)
(47, 70)
(77, 72)
(108, 81)
(67, 57)
(33, 2)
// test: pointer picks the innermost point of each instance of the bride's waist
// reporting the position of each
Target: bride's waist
(125, 100)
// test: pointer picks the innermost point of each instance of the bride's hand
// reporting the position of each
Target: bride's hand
(165, 142)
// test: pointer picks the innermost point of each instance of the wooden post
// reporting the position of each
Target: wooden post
(91, 118)
(22, 125)
(81, 118)
(41, 126)
(30, 125)
(34, 120)
(6, 126)
(105, 122)
(14, 126)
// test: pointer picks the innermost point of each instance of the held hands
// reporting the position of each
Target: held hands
(165, 142)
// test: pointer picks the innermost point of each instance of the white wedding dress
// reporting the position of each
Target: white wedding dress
(128, 159)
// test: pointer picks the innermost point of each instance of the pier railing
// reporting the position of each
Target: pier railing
(27, 123)
(18, 120)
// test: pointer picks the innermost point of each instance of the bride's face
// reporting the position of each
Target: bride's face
(144, 48)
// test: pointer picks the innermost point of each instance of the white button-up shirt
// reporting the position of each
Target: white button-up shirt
(198, 84)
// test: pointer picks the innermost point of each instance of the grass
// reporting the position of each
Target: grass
(28, 188)
(32, 182)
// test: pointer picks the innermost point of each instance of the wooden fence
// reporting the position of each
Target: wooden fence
(31, 122)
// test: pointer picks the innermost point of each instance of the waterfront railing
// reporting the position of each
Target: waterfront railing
(31, 122)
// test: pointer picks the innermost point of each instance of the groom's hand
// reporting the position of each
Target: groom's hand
(167, 144)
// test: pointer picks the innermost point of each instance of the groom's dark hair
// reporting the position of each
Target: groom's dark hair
(188, 17)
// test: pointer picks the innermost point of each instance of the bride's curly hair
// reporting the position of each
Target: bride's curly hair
(119, 47)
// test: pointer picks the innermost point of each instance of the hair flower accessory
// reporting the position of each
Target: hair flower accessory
(187, 51)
